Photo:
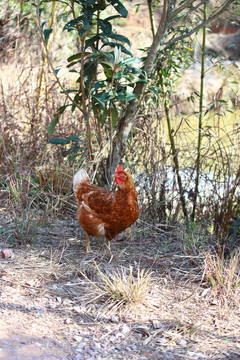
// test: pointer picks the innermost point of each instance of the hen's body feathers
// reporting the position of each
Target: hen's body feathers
(102, 212)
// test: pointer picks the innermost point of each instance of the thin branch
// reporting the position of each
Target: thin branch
(188, 12)
(204, 23)
(155, 45)
(200, 119)
(181, 8)
(46, 54)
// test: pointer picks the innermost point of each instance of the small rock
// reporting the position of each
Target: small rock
(67, 321)
(30, 283)
(51, 306)
(107, 328)
(196, 356)
(112, 338)
(79, 357)
(114, 319)
(91, 352)
(97, 346)
(91, 329)
(125, 329)
(77, 309)
(158, 325)
(79, 339)
(7, 254)
(81, 347)
(162, 340)
(182, 343)
(133, 347)
(10, 320)
(66, 302)
(199, 356)
(120, 336)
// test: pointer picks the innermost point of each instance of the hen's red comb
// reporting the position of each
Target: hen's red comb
(119, 168)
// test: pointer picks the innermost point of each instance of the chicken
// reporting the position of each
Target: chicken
(102, 212)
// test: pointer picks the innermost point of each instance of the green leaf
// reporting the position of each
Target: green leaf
(113, 44)
(74, 57)
(75, 138)
(58, 141)
(130, 60)
(46, 34)
(87, 19)
(90, 42)
(119, 7)
(64, 16)
(107, 57)
(70, 25)
(114, 116)
(107, 70)
(56, 70)
(61, 109)
(73, 63)
(126, 96)
(156, 90)
(103, 116)
(54, 122)
(112, 17)
(99, 100)
(118, 37)
(43, 23)
(52, 125)
(97, 85)
(71, 150)
(105, 26)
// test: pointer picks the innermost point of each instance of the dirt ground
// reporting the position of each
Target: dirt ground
(48, 310)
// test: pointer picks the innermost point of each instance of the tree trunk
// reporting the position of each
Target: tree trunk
(128, 119)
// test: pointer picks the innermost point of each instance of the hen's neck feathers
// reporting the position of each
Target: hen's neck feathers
(128, 185)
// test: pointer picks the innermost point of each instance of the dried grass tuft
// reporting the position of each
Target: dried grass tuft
(122, 287)
(223, 275)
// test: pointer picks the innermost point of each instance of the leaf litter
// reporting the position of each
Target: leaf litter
(51, 306)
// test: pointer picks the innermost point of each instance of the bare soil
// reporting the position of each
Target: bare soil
(48, 309)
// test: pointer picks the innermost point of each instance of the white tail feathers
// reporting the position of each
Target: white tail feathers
(80, 177)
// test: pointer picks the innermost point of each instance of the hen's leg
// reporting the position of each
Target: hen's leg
(108, 244)
(87, 245)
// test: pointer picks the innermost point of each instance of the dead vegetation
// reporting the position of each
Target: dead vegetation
(89, 300)
(165, 291)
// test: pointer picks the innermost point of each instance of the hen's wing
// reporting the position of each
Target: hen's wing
(116, 209)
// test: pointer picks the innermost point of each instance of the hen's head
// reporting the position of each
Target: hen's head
(123, 179)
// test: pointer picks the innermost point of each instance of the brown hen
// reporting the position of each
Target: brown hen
(102, 212)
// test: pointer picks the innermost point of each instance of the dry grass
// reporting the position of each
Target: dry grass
(30, 201)
(122, 287)
(224, 276)
(175, 309)
(36, 189)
